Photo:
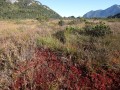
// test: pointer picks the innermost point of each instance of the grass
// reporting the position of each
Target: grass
(49, 42)
(20, 40)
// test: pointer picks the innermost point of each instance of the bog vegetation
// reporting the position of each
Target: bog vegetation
(54, 55)
(41, 53)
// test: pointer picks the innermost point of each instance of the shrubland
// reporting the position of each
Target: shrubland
(52, 54)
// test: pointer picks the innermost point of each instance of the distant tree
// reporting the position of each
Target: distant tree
(73, 17)
(79, 17)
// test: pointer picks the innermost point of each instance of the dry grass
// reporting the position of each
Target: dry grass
(17, 41)
(18, 44)
(115, 26)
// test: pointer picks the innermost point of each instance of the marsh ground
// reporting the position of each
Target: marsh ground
(65, 49)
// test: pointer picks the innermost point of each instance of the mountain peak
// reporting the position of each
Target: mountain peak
(115, 6)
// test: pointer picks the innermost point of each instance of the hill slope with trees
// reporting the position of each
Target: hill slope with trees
(25, 9)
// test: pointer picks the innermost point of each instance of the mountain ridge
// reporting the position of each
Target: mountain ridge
(110, 11)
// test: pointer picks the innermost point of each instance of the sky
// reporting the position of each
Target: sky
(77, 7)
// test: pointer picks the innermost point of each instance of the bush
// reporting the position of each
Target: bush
(72, 30)
(98, 30)
(61, 23)
(60, 36)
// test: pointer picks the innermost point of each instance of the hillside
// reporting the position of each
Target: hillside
(25, 9)
(115, 9)
(115, 16)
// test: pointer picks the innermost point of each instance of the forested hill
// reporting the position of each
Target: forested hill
(21, 9)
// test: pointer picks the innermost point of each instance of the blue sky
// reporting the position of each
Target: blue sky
(77, 7)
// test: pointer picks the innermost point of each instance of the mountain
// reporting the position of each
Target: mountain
(115, 16)
(115, 9)
(22, 9)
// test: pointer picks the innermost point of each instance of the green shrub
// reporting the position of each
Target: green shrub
(97, 30)
(72, 30)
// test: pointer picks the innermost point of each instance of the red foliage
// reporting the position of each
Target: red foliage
(47, 69)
